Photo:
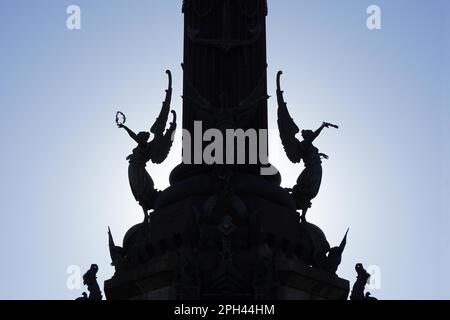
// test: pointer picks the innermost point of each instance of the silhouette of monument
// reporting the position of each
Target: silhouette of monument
(225, 231)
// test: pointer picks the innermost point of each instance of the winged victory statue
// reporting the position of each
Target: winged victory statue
(156, 151)
(309, 181)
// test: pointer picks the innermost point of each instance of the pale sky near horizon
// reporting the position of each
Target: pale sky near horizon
(63, 169)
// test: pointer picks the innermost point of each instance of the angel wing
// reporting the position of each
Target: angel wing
(160, 124)
(160, 147)
(258, 94)
(287, 127)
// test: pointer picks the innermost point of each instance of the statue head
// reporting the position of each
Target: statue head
(359, 268)
(143, 137)
(91, 275)
(307, 134)
(362, 273)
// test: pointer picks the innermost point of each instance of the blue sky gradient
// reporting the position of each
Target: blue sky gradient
(63, 168)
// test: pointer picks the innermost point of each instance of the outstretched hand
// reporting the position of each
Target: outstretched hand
(324, 156)
(120, 126)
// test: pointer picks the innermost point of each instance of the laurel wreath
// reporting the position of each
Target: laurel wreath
(120, 118)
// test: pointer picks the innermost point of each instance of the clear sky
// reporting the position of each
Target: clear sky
(63, 170)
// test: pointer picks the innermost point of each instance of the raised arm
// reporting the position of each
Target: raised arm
(319, 131)
(130, 132)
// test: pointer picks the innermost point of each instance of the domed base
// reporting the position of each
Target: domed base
(225, 237)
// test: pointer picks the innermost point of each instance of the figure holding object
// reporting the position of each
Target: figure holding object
(309, 181)
(157, 150)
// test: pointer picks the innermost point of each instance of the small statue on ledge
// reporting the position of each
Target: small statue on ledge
(360, 285)
(157, 150)
(334, 256)
(90, 280)
(309, 181)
